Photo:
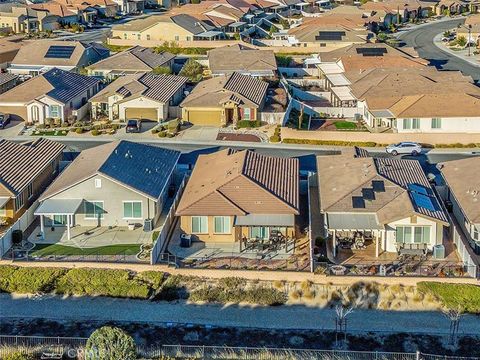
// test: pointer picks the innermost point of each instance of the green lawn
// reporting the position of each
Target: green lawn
(454, 296)
(345, 125)
(55, 249)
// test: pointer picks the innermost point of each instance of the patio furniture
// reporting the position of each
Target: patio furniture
(338, 270)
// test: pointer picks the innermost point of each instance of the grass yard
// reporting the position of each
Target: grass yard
(55, 249)
(454, 296)
(345, 125)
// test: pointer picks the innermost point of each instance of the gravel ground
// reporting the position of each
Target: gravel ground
(282, 317)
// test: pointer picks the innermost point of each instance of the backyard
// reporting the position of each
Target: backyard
(43, 250)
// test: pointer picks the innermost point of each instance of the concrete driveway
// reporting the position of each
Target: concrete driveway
(12, 129)
(202, 133)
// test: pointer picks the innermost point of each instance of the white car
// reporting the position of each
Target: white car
(405, 147)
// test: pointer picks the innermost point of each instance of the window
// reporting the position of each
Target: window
(177, 38)
(436, 123)
(148, 36)
(246, 114)
(413, 234)
(132, 209)
(54, 111)
(407, 124)
(189, 38)
(475, 233)
(19, 202)
(125, 36)
(139, 37)
(30, 190)
(35, 113)
(98, 183)
(260, 232)
(199, 224)
(94, 210)
(222, 224)
(415, 123)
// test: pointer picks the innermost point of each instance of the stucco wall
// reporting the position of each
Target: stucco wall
(419, 221)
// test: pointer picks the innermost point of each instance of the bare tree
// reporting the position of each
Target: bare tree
(341, 313)
(454, 316)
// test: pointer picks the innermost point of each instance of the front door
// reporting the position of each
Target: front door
(229, 116)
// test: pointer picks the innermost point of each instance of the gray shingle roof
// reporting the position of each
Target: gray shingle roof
(67, 85)
(191, 24)
(253, 89)
(162, 87)
(7, 77)
(150, 57)
(20, 164)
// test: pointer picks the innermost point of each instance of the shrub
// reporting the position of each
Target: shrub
(331, 142)
(192, 70)
(28, 280)
(103, 282)
(154, 131)
(274, 138)
(110, 343)
(79, 130)
(248, 124)
(41, 126)
(162, 70)
(162, 134)
(170, 135)
(171, 289)
(95, 132)
(154, 278)
(17, 356)
(453, 296)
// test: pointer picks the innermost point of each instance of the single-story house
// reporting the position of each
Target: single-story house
(131, 61)
(463, 190)
(26, 169)
(225, 100)
(384, 200)
(142, 96)
(237, 196)
(42, 55)
(244, 60)
(56, 94)
(115, 184)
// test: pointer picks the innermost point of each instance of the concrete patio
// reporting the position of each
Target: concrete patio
(91, 237)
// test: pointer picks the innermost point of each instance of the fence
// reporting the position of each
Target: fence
(21, 224)
(42, 347)
(162, 237)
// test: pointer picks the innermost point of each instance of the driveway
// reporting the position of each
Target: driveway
(12, 129)
(422, 39)
(281, 317)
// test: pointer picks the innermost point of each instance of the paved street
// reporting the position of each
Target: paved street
(283, 317)
(421, 38)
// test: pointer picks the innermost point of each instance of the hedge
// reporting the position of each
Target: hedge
(29, 280)
(241, 124)
(332, 142)
(462, 297)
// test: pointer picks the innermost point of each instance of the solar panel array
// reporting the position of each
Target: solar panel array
(418, 189)
(372, 51)
(330, 35)
(423, 201)
(368, 194)
(378, 186)
(59, 52)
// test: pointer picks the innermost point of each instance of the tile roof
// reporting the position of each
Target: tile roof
(238, 183)
(144, 168)
(213, 92)
(344, 181)
(156, 87)
(20, 164)
(462, 178)
(238, 58)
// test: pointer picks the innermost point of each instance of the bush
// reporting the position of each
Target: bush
(162, 134)
(171, 289)
(103, 282)
(79, 130)
(17, 356)
(162, 70)
(29, 280)
(192, 70)
(95, 132)
(453, 296)
(154, 278)
(154, 131)
(248, 124)
(110, 343)
(331, 142)
(274, 139)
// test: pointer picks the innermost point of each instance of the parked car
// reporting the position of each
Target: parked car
(134, 126)
(405, 147)
(4, 120)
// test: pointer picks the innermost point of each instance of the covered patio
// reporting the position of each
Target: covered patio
(58, 213)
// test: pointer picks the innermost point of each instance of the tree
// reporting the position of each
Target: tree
(461, 41)
(110, 343)
(285, 24)
(162, 70)
(192, 69)
(283, 60)
(454, 316)
(341, 313)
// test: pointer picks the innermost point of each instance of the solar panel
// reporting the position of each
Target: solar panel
(358, 202)
(423, 201)
(418, 189)
(330, 35)
(59, 52)
(378, 186)
(372, 51)
(368, 194)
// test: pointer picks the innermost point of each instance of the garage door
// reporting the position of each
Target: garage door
(198, 117)
(141, 113)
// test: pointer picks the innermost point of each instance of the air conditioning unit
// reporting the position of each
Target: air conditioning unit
(148, 225)
(439, 252)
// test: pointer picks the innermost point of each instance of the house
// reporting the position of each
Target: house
(141, 96)
(26, 169)
(130, 6)
(134, 60)
(91, 10)
(463, 191)
(160, 28)
(453, 7)
(9, 47)
(243, 60)
(386, 201)
(42, 55)
(20, 18)
(393, 12)
(471, 30)
(237, 196)
(7, 81)
(54, 95)
(115, 184)
(224, 100)
(60, 13)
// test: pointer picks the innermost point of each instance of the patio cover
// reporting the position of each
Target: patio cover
(209, 34)
(3, 201)
(338, 79)
(237, 24)
(353, 222)
(265, 220)
(343, 93)
(382, 113)
(330, 68)
(58, 207)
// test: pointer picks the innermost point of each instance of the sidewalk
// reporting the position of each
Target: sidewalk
(463, 54)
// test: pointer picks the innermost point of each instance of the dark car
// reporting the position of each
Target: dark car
(4, 120)
(134, 126)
